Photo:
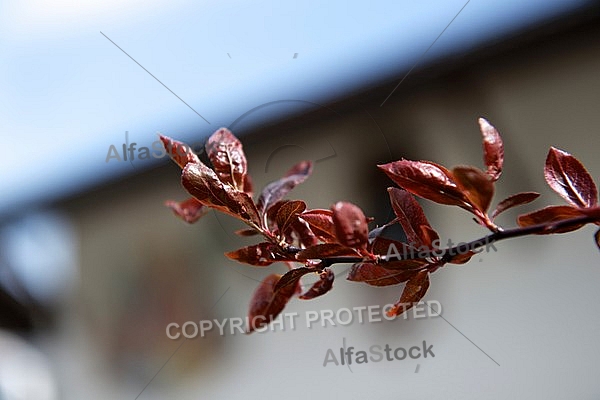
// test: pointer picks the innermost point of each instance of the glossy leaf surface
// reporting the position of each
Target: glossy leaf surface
(413, 292)
(227, 157)
(476, 185)
(514, 201)
(179, 152)
(320, 287)
(551, 214)
(376, 275)
(261, 254)
(203, 183)
(569, 178)
(288, 213)
(190, 210)
(493, 149)
(277, 190)
(425, 179)
(292, 277)
(267, 303)
(411, 217)
(326, 250)
(321, 223)
(350, 223)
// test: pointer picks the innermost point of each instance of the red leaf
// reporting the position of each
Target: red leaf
(260, 255)
(202, 183)
(320, 287)
(398, 253)
(292, 277)
(248, 186)
(376, 275)
(513, 201)
(551, 214)
(288, 213)
(247, 232)
(427, 180)
(413, 292)
(180, 152)
(569, 178)
(321, 223)
(476, 185)
(405, 265)
(276, 190)
(326, 250)
(462, 258)
(190, 210)
(305, 234)
(411, 217)
(350, 225)
(272, 213)
(493, 149)
(267, 303)
(227, 157)
(593, 212)
(429, 235)
(382, 246)
(302, 168)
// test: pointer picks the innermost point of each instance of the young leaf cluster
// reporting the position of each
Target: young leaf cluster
(311, 241)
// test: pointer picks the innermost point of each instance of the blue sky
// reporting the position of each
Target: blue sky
(67, 93)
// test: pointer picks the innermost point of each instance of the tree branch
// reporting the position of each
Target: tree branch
(447, 253)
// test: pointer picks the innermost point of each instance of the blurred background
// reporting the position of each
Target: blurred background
(93, 266)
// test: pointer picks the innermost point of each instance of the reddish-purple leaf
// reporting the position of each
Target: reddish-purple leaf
(248, 186)
(350, 225)
(398, 255)
(320, 287)
(247, 232)
(427, 180)
(321, 223)
(227, 157)
(302, 168)
(429, 235)
(383, 246)
(276, 190)
(260, 255)
(476, 185)
(405, 265)
(493, 149)
(413, 292)
(593, 212)
(411, 217)
(266, 303)
(551, 214)
(376, 275)
(513, 201)
(292, 277)
(462, 258)
(202, 183)
(569, 178)
(304, 233)
(326, 250)
(288, 213)
(272, 213)
(180, 152)
(190, 210)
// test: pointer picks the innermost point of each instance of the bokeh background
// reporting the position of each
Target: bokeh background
(93, 267)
